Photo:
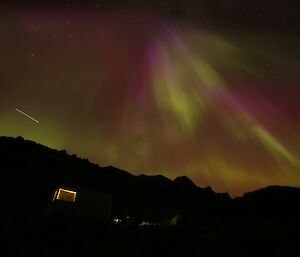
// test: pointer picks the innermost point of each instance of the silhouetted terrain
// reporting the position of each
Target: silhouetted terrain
(265, 222)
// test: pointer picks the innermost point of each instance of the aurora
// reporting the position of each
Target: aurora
(152, 95)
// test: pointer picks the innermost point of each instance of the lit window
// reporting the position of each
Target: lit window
(65, 195)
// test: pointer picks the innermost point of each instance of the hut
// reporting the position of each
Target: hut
(72, 205)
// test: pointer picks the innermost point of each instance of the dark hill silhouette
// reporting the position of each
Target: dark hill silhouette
(39, 170)
(265, 222)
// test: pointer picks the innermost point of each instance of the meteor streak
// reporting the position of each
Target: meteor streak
(28, 116)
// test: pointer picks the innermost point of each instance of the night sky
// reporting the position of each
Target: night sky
(206, 89)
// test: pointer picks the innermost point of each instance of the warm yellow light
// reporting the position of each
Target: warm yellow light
(65, 195)
(117, 220)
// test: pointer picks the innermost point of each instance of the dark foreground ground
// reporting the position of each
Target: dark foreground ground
(33, 237)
